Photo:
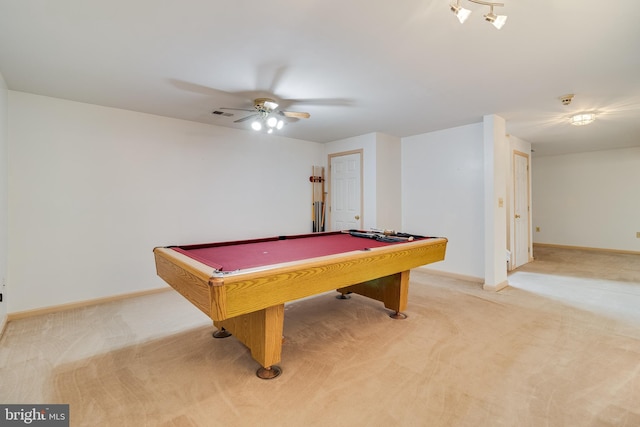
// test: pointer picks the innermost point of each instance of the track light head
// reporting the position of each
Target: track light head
(460, 12)
(497, 21)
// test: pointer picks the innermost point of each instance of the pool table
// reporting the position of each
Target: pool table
(243, 285)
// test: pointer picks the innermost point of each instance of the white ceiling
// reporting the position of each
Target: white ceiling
(358, 66)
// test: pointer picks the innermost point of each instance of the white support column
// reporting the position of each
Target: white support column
(495, 202)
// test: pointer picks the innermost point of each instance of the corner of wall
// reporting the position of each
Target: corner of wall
(4, 191)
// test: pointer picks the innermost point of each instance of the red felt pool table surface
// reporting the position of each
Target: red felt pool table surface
(232, 256)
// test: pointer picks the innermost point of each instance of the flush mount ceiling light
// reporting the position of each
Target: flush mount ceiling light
(582, 119)
(496, 20)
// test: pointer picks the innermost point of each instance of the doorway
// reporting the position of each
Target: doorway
(522, 213)
(345, 188)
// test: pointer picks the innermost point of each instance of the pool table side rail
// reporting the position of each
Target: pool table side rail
(186, 275)
(230, 295)
(252, 241)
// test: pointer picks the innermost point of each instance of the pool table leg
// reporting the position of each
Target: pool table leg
(261, 331)
(221, 333)
(392, 291)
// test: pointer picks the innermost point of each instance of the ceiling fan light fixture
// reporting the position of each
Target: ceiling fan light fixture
(272, 122)
(271, 105)
(266, 117)
(582, 119)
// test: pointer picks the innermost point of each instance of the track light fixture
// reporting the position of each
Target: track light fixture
(460, 11)
(496, 20)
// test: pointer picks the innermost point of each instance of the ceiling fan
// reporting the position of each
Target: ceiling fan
(265, 115)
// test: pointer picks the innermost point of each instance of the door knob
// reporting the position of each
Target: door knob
(517, 216)
(357, 217)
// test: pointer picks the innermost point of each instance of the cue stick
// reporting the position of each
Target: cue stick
(389, 238)
(313, 199)
(317, 222)
(322, 214)
(380, 237)
(321, 189)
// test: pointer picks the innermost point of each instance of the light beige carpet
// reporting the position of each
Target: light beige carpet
(559, 347)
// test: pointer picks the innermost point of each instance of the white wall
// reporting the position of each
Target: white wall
(443, 194)
(3, 200)
(93, 189)
(388, 182)
(589, 199)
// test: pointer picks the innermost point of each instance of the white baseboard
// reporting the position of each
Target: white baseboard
(584, 248)
(56, 308)
(452, 275)
(3, 325)
(495, 288)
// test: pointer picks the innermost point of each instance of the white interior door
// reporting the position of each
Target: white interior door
(346, 190)
(521, 209)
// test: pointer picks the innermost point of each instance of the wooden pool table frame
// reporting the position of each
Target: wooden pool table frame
(250, 303)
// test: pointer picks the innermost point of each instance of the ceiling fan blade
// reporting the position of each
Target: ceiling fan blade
(244, 119)
(236, 109)
(296, 114)
(329, 102)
